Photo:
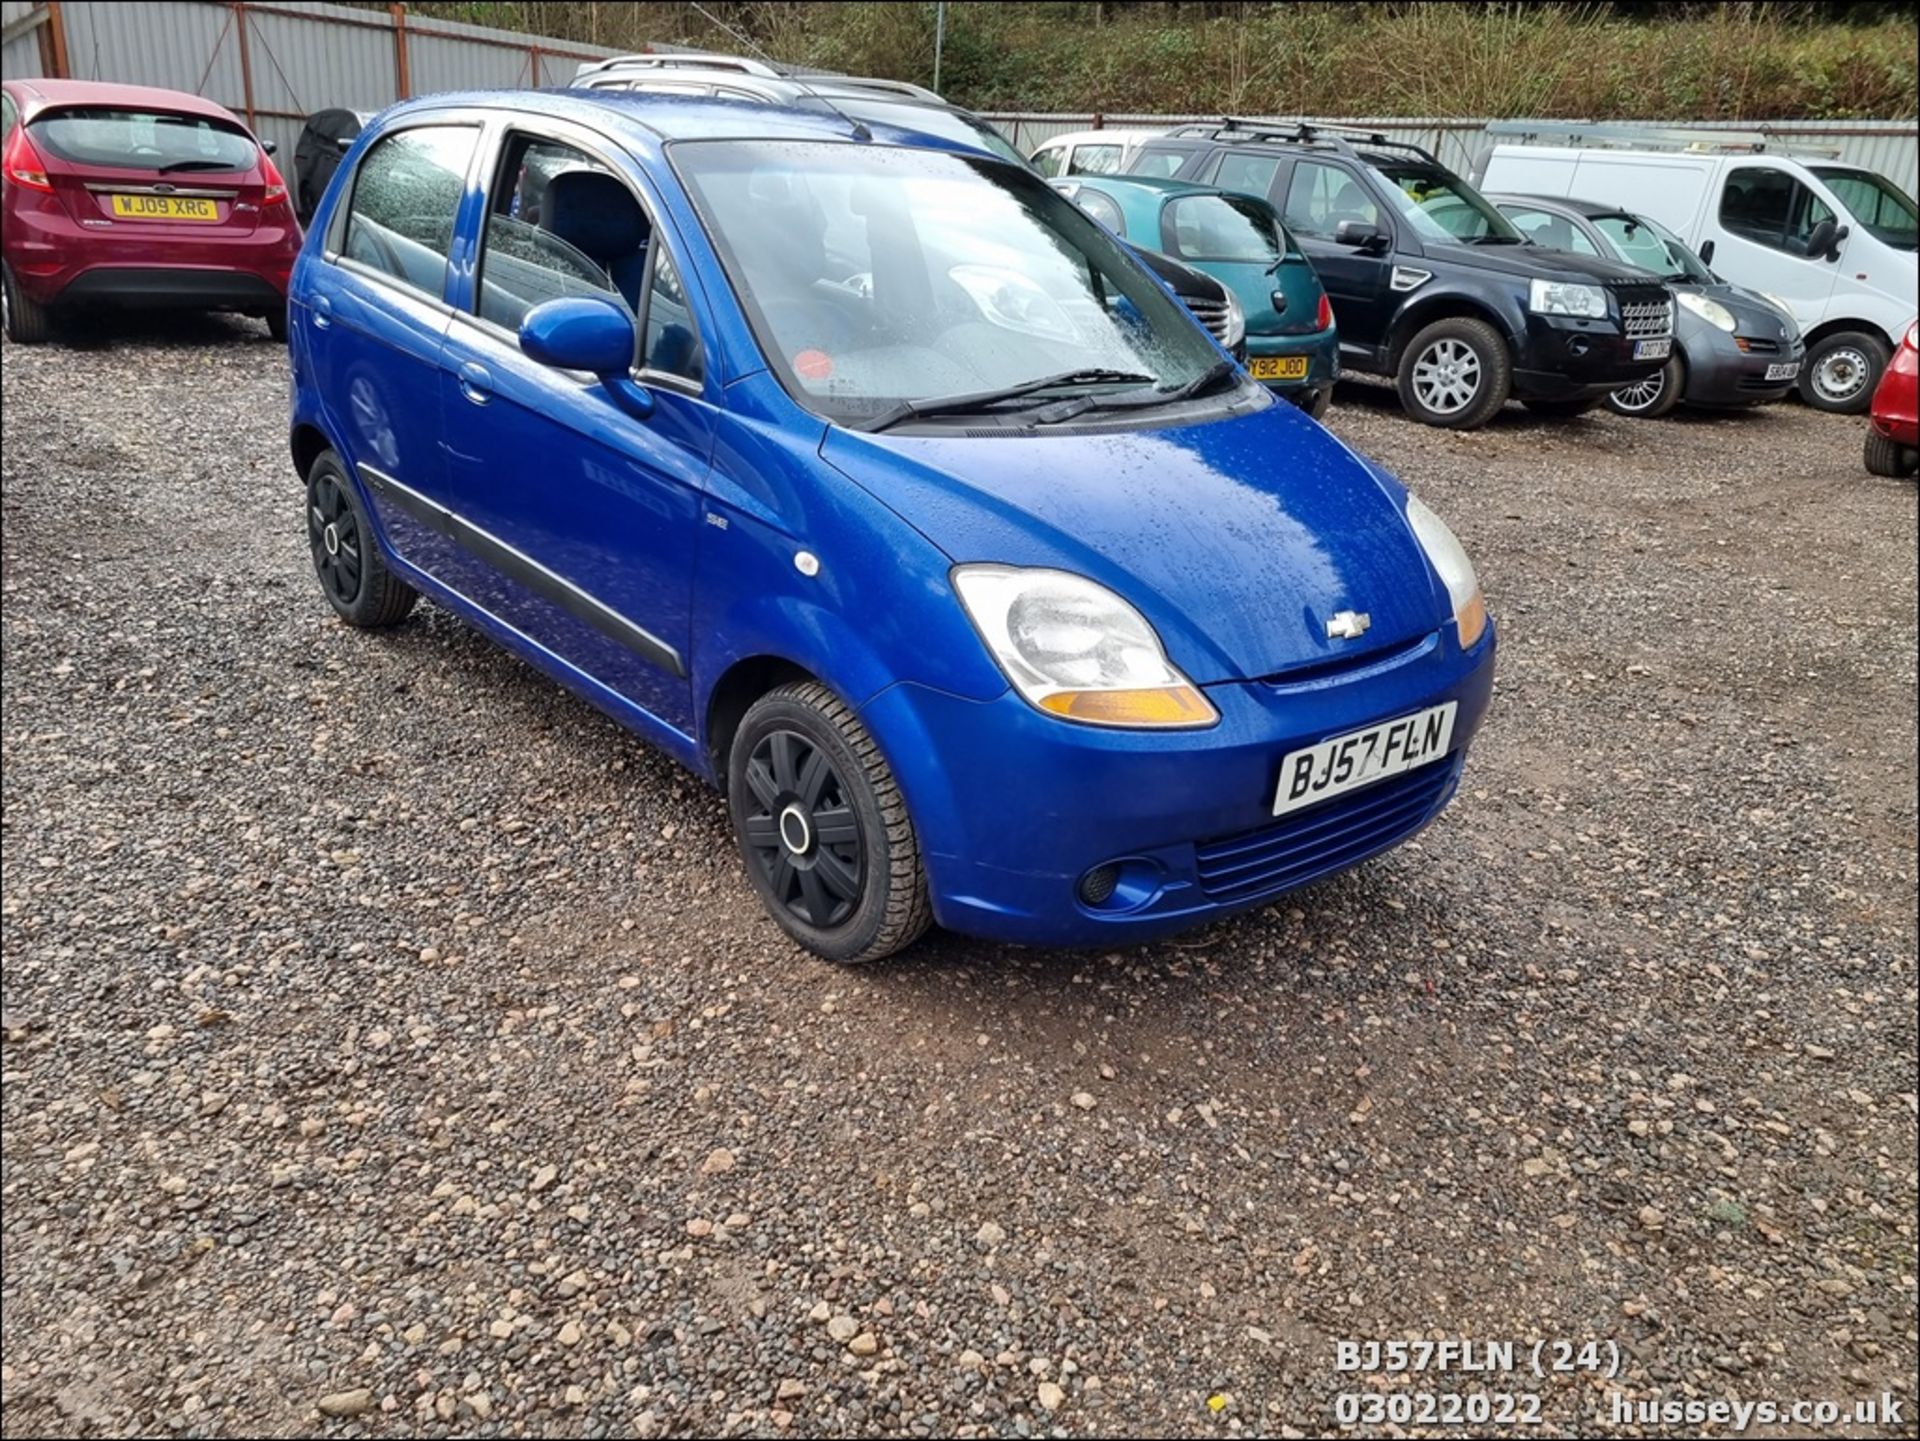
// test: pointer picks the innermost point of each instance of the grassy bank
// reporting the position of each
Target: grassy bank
(1726, 62)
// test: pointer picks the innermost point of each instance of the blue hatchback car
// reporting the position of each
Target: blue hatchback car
(879, 485)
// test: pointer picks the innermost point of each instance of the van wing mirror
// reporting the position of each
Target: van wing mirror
(1360, 234)
(1823, 241)
(1706, 252)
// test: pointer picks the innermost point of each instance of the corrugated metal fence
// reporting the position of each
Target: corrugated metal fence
(275, 64)
(1891, 147)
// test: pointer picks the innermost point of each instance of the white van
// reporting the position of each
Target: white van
(1833, 243)
(1090, 152)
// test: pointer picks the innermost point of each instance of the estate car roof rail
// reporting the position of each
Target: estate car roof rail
(1654, 137)
(1338, 138)
(868, 82)
(682, 60)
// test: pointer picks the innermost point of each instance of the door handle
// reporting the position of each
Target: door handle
(476, 382)
(322, 312)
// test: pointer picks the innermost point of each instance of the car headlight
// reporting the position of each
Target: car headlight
(1449, 560)
(1560, 297)
(1236, 323)
(1076, 650)
(1709, 310)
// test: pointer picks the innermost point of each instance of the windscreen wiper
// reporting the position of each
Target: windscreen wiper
(1495, 240)
(972, 401)
(196, 165)
(1137, 400)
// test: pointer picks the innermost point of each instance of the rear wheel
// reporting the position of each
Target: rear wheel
(824, 828)
(1314, 402)
(1563, 409)
(1653, 396)
(27, 321)
(346, 558)
(1455, 373)
(1888, 457)
(1841, 370)
(277, 324)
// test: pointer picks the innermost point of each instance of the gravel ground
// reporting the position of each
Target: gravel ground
(393, 1046)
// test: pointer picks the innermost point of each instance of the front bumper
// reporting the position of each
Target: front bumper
(1321, 349)
(1013, 807)
(1719, 373)
(1565, 357)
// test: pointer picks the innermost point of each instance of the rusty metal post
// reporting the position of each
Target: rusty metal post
(53, 43)
(402, 79)
(246, 62)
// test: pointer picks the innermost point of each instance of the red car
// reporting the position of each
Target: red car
(124, 195)
(1893, 436)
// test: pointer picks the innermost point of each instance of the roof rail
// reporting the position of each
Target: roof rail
(683, 60)
(884, 87)
(1339, 138)
(1581, 135)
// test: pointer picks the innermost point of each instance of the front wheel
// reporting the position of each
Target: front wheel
(823, 827)
(1886, 456)
(1455, 373)
(1652, 396)
(1841, 370)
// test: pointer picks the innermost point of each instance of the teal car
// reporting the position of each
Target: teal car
(1292, 345)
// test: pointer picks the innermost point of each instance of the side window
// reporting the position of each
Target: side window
(1095, 160)
(1162, 163)
(672, 346)
(1102, 209)
(1047, 160)
(1556, 232)
(558, 223)
(1248, 174)
(1771, 208)
(1321, 196)
(406, 195)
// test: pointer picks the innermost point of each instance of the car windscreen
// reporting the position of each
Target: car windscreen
(156, 140)
(1441, 206)
(1651, 246)
(876, 274)
(1876, 202)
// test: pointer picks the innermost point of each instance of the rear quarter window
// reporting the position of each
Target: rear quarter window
(156, 140)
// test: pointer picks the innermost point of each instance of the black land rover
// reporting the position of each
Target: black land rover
(1430, 283)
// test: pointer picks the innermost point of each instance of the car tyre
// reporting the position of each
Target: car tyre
(1315, 403)
(346, 558)
(823, 827)
(1653, 396)
(1455, 373)
(1841, 371)
(1886, 456)
(27, 321)
(277, 324)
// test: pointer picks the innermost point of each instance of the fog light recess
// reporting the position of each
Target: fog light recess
(1128, 884)
(1097, 885)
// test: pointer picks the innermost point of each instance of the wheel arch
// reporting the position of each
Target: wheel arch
(733, 694)
(308, 442)
(1839, 324)
(1422, 310)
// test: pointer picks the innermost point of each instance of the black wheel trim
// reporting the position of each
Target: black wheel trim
(338, 565)
(821, 883)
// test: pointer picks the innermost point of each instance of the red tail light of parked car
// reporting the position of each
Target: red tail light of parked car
(126, 196)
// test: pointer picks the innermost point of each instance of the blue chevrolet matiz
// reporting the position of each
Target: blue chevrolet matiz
(876, 483)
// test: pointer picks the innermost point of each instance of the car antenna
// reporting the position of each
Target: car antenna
(860, 131)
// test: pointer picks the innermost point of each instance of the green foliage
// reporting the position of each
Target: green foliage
(1731, 61)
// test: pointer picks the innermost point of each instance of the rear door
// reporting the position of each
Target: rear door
(1319, 195)
(375, 321)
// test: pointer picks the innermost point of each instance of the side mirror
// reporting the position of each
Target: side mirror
(1359, 234)
(1823, 241)
(579, 332)
(270, 147)
(345, 143)
(1706, 252)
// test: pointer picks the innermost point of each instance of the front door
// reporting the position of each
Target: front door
(1320, 196)
(577, 519)
(1759, 229)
